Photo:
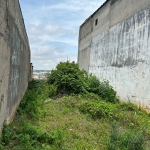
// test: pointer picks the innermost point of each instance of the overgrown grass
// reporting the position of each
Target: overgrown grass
(129, 140)
(75, 122)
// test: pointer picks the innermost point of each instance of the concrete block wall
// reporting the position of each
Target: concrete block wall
(14, 59)
(119, 48)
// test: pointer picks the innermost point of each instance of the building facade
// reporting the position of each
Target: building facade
(114, 45)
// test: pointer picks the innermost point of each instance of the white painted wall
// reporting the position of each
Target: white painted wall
(121, 55)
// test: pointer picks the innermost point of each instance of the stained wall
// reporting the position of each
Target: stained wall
(119, 48)
(14, 59)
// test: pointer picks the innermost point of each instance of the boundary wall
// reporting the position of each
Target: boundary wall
(114, 45)
(14, 59)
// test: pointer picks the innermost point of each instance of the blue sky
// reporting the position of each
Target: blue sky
(53, 27)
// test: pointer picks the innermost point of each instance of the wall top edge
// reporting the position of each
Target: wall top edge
(24, 23)
(103, 5)
(24, 26)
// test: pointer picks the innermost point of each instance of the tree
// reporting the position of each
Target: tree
(68, 78)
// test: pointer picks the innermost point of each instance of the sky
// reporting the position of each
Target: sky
(53, 28)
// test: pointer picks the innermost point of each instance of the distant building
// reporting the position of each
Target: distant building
(40, 74)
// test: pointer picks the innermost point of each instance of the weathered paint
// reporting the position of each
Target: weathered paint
(14, 59)
(121, 53)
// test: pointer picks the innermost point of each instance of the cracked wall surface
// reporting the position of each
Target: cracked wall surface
(14, 59)
(118, 48)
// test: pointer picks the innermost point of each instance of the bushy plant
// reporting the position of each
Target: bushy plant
(35, 95)
(128, 107)
(97, 109)
(67, 78)
(28, 136)
(103, 89)
(34, 84)
(93, 84)
(6, 134)
(36, 134)
(52, 91)
(30, 104)
(47, 133)
(25, 135)
(107, 93)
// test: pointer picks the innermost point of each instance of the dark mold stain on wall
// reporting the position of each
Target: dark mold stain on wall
(14, 58)
(120, 48)
(1, 101)
(113, 1)
(4, 29)
(19, 64)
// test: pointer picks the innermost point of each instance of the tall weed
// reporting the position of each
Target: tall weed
(131, 139)
(33, 99)
(6, 134)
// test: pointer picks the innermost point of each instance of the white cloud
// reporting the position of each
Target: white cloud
(74, 6)
(53, 27)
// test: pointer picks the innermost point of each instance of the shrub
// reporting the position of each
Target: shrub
(107, 93)
(128, 107)
(97, 109)
(36, 134)
(67, 78)
(34, 84)
(30, 137)
(52, 91)
(6, 134)
(34, 97)
(92, 84)
(29, 104)
(103, 89)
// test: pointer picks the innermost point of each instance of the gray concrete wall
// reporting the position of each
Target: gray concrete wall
(14, 59)
(84, 44)
(120, 48)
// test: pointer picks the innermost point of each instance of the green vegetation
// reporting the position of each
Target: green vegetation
(56, 117)
(67, 79)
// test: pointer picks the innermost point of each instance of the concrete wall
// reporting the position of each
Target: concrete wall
(119, 48)
(14, 59)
